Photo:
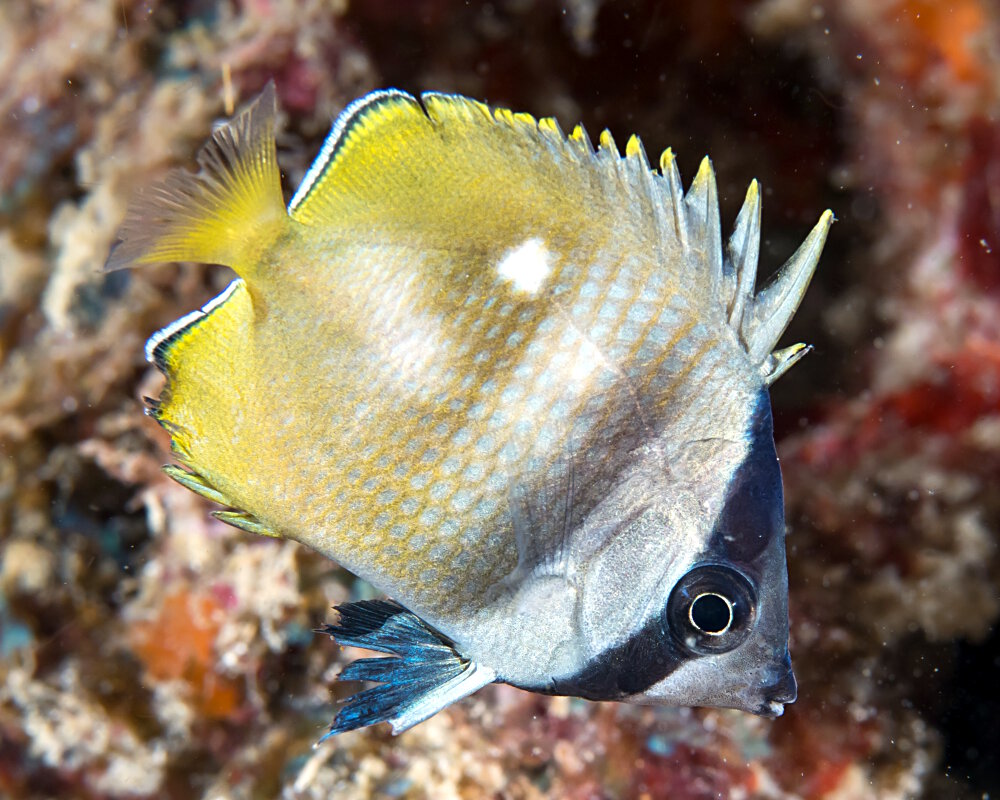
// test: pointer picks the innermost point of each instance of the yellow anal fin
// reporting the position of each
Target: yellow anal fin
(196, 484)
(245, 522)
(180, 332)
(204, 356)
(226, 213)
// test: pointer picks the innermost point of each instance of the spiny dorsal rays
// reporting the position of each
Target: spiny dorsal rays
(758, 319)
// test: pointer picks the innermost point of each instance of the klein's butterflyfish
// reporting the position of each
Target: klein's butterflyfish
(517, 382)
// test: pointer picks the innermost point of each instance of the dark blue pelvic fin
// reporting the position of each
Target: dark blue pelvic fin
(423, 675)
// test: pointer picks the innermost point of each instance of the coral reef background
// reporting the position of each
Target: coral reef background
(148, 651)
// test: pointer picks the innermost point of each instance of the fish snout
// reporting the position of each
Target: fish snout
(774, 695)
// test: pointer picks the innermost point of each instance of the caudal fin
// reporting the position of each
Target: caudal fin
(223, 213)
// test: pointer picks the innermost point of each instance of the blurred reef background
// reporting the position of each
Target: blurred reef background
(148, 651)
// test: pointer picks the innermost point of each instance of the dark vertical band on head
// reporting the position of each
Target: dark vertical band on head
(628, 669)
(753, 513)
(752, 516)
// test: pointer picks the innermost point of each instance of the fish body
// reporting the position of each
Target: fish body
(516, 382)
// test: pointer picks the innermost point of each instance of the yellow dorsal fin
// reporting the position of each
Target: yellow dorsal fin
(226, 213)
(451, 172)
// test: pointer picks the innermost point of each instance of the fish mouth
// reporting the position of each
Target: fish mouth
(776, 695)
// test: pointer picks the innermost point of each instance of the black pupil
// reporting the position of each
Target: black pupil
(710, 613)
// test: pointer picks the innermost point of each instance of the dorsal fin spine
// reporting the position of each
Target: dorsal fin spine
(774, 305)
(634, 149)
(702, 203)
(744, 252)
(670, 173)
(713, 220)
(608, 145)
(780, 361)
(549, 127)
(526, 120)
(691, 218)
(581, 141)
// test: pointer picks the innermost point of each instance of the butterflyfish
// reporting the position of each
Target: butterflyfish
(517, 382)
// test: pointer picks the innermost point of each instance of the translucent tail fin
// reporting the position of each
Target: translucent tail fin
(223, 213)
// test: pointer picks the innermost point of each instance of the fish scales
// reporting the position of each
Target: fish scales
(445, 417)
(415, 342)
(469, 353)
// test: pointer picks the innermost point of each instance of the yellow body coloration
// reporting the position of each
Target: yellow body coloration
(459, 303)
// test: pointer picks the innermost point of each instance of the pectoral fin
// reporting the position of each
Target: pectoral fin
(426, 675)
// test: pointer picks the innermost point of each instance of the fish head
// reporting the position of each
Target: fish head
(685, 603)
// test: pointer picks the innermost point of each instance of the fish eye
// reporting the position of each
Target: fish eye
(712, 609)
(711, 613)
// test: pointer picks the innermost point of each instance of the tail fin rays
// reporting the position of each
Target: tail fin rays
(221, 214)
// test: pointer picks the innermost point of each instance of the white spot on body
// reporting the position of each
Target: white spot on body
(526, 266)
(588, 358)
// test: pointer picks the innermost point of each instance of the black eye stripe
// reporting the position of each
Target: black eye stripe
(665, 642)
(753, 513)
(628, 669)
(745, 531)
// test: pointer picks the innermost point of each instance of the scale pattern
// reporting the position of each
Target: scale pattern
(460, 301)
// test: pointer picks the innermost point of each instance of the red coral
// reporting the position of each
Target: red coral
(689, 773)
(979, 220)
(180, 644)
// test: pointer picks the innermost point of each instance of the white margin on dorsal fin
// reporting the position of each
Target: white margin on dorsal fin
(774, 306)
(704, 226)
(744, 253)
(333, 139)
